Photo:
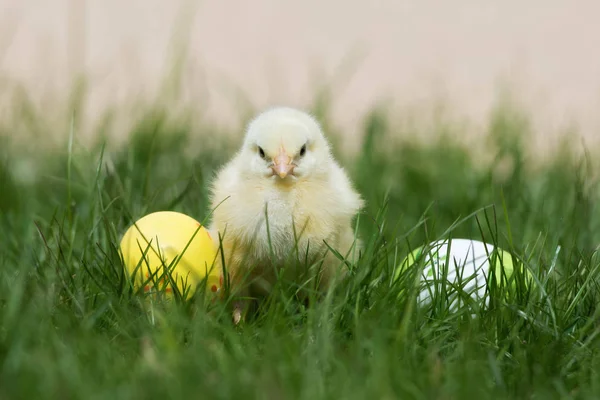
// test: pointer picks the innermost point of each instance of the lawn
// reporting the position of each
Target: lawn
(71, 327)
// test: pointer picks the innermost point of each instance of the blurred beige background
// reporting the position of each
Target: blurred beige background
(414, 52)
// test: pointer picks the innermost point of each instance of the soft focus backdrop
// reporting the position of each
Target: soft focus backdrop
(418, 54)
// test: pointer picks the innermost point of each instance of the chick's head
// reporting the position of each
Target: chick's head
(285, 144)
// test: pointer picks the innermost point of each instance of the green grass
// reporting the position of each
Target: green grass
(71, 326)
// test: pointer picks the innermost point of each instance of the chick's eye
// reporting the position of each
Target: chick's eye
(303, 151)
(261, 152)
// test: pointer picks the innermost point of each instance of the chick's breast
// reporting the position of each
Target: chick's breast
(265, 223)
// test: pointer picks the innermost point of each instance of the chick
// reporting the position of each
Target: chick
(283, 195)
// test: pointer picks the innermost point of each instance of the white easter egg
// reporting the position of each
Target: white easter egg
(465, 264)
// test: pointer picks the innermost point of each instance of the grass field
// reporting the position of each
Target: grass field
(71, 327)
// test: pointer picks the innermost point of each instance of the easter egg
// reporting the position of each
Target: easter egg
(458, 267)
(166, 251)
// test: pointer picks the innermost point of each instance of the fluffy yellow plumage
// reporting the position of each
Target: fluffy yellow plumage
(285, 174)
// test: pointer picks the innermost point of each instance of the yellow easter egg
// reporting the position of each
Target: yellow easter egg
(168, 247)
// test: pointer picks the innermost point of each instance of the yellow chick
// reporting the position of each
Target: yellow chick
(283, 195)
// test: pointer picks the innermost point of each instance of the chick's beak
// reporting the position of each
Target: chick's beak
(282, 164)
